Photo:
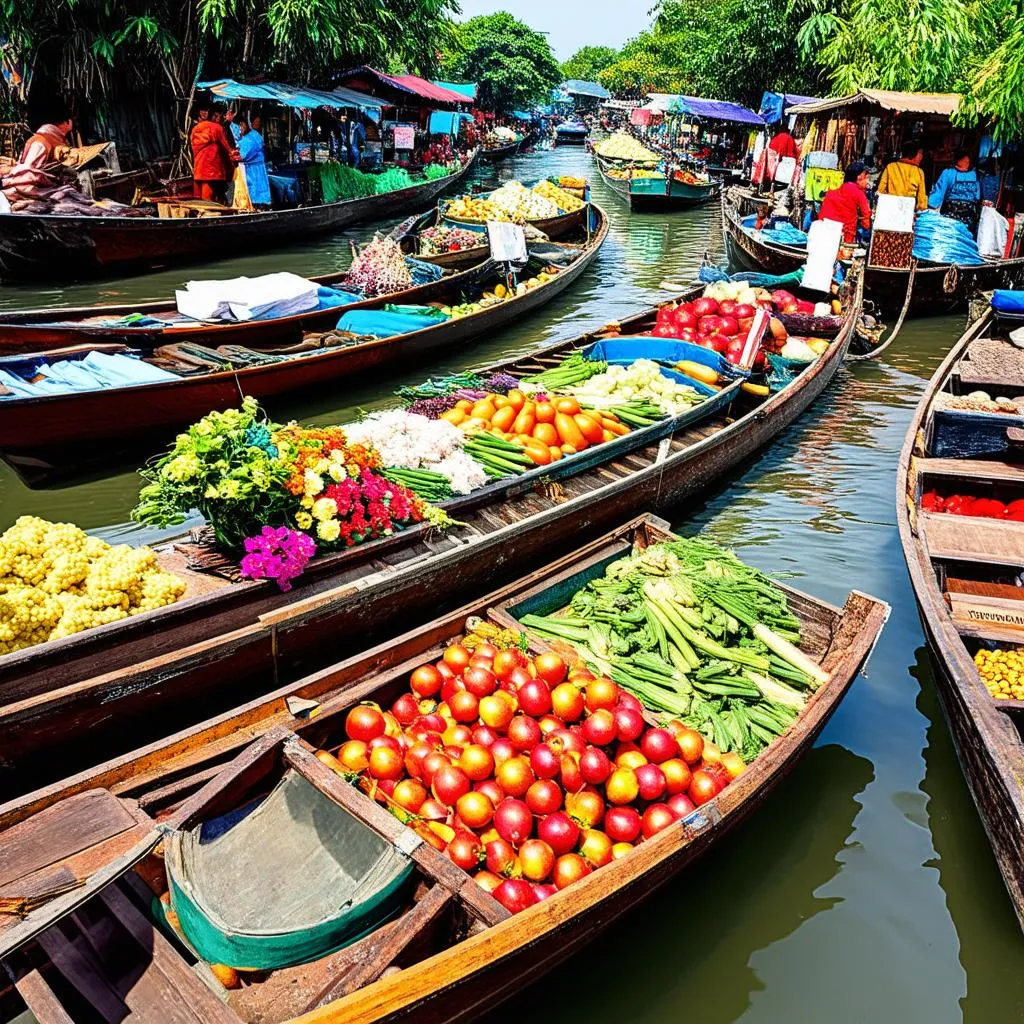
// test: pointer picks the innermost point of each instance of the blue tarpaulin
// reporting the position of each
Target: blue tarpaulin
(575, 87)
(714, 110)
(775, 104)
(446, 122)
(1005, 300)
(625, 350)
(522, 115)
(295, 96)
(383, 324)
(467, 89)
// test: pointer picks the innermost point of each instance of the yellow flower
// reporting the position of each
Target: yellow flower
(303, 520)
(325, 508)
(321, 466)
(306, 501)
(337, 455)
(329, 530)
(314, 483)
(337, 472)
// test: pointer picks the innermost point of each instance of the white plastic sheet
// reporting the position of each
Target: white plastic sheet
(247, 298)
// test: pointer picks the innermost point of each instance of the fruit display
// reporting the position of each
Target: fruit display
(562, 199)
(521, 203)
(527, 775)
(624, 147)
(965, 505)
(1002, 672)
(632, 173)
(438, 239)
(56, 580)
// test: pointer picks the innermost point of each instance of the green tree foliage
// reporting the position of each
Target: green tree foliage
(588, 62)
(88, 45)
(726, 49)
(974, 47)
(511, 63)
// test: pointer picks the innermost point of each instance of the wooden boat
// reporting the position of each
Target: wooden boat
(48, 247)
(572, 133)
(658, 195)
(36, 427)
(73, 702)
(494, 153)
(938, 288)
(964, 571)
(84, 869)
(33, 330)
(554, 227)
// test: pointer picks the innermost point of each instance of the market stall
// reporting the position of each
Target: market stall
(713, 133)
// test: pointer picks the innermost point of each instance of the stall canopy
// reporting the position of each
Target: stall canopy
(775, 105)
(942, 104)
(464, 89)
(522, 115)
(295, 96)
(659, 102)
(398, 89)
(593, 90)
(447, 122)
(714, 110)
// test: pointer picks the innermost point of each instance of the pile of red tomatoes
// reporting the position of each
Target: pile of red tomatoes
(529, 776)
(720, 326)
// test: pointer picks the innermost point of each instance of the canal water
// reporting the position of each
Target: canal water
(864, 889)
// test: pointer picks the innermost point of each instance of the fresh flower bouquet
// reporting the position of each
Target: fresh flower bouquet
(245, 473)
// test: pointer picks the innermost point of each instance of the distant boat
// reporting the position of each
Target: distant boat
(572, 133)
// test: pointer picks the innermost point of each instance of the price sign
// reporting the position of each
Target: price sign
(507, 241)
(405, 136)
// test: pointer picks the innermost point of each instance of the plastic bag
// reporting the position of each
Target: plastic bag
(993, 228)
(941, 239)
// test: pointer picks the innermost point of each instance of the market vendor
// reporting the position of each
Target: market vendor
(42, 147)
(212, 158)
(252, 185)
(904, 177)
(849, 204)
(957, 192)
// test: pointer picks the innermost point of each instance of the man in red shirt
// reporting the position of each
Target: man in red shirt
(848, 204)
(212, 157)
(784, 144)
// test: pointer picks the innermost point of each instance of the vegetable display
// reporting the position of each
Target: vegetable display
(514, 203)
(562, 199)
(56, 580)
(965, 505)
(1002, 672)
(695, 633)
(527, 775)
(438, 239)
(643, 380)
(380, 268)
(624, 147)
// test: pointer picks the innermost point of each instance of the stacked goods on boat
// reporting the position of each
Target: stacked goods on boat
(671, 670)
(439, 238)
(333, 182)
(381, 268)
(721, 319)
(514, 203)
(625, 148)
(56, 580)
(633, 173)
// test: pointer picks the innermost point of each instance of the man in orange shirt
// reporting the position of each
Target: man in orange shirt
(212, 158)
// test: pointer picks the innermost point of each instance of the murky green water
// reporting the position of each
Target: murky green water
(864, 890)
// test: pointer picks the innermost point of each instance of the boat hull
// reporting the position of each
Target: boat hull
(39, 430)
(502, 541)
(986, 740)
(680, 197)
(47, 247)
(500, 152)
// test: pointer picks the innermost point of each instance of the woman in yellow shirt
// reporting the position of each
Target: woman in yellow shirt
(904, 177)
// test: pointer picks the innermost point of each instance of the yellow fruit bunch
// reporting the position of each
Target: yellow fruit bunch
(475, 209)
(1002, 672)
(56, 580)
(625, 147)
(561, 198)
(570, 181)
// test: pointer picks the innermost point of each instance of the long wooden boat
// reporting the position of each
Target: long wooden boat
(150, 324)
(659, 195)
(964, 570)
(34, 428)
(494, 153)
(73, 702)
(938, 288)
(85, 868)
(50, 247)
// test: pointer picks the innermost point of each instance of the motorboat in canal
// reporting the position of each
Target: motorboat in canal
(71, 703)
(959, 484)
(382, 926)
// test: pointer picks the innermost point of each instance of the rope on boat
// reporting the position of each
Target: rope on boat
(951, 281)
(876, 352)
